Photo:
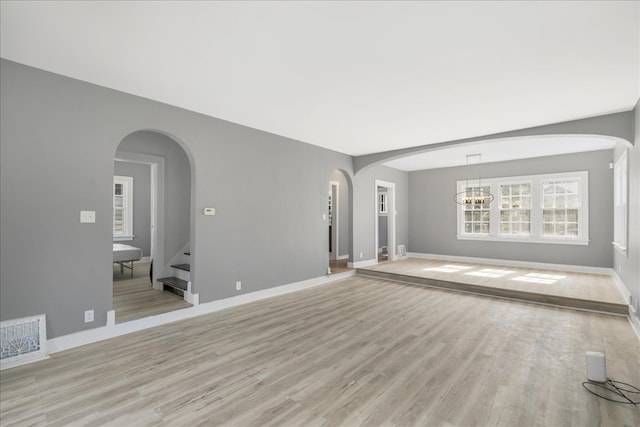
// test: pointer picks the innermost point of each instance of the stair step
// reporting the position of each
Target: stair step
(188, 253)
(174, 282)
(185, 267)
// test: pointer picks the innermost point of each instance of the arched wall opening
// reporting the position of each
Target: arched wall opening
(340, 220)
(169, 224)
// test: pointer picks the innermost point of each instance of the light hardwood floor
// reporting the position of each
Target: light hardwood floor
(135, 298)
(355, 352)
(581, 290)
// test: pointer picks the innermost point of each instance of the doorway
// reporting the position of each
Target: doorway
(385, 221)
(339, 222)
(141, 292)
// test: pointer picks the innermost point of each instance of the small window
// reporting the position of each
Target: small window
(122, 208)
(382, 203)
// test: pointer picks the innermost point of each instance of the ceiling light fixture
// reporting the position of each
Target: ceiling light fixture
(475, 195)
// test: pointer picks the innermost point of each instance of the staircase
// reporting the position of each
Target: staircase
(179, 282)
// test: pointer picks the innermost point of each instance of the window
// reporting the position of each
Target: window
(477, 215)
(382, 203)
(620, 203)
(561, 203)
(515, 209)
(551, 208)
(122, 208)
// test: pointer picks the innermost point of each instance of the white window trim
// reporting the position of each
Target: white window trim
(620, 203)
(127, 183)
(536, 227)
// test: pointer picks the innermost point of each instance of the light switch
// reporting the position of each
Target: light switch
(87, 216)
(209, 211)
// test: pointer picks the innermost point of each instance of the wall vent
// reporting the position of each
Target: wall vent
(23, 341)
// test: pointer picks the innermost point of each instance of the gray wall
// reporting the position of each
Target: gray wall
(177, 187)
(628, 267)
(432, 214)
(344, 212)
(58, 140)
(365, 207)
(141, 175)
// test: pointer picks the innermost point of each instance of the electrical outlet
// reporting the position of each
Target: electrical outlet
(361, 255)
(238, 286)
(88, 316)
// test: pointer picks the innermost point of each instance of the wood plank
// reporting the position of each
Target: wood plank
(356, 352)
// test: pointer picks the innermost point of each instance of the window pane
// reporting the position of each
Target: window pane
(572, 201)
(505, 203)
(547, 188)
(117, 189)
(468, 228)
(572, 215)
(560, 229)
(548, 202)
(572, 187)
(559, 202)
(549, 229)
(525, 189)
(505, 190)
(505, 228)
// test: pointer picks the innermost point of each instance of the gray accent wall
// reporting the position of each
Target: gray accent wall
(628, 266)
(432, 214)
(141, 175)
(58, 141)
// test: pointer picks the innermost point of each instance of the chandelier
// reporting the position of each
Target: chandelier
(475, 195)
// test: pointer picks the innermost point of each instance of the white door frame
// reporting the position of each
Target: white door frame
(391, 227)
(156, 164)
(335, 221)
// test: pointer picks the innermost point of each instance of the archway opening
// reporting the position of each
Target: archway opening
(152, 219)
(340, 207)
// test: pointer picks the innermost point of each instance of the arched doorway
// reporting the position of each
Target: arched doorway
(152, 214)
(339, 221)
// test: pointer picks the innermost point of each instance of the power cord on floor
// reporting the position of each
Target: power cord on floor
(614, 387)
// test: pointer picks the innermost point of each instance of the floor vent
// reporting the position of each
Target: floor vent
(23, 341)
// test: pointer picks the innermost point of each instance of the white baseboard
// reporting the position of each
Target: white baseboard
(512, 263)
(343, 257)
(621, 287)
(143, 259)
(112, 330)
(365, 263)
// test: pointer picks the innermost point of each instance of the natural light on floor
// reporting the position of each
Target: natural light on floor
(449, 268)
(489, 272)
(546, 279)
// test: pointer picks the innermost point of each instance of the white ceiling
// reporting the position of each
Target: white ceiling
(355, 77)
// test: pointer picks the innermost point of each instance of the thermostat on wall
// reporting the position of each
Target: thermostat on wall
(209, 211)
